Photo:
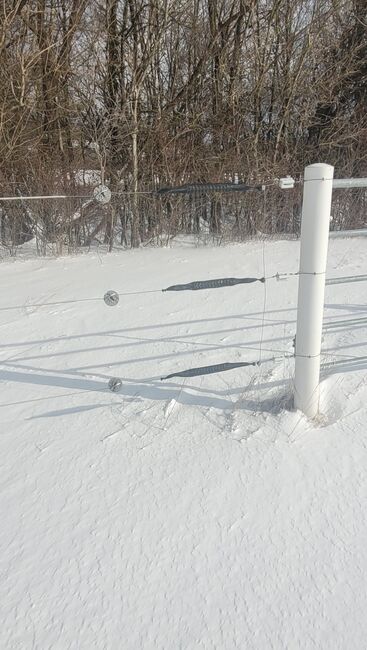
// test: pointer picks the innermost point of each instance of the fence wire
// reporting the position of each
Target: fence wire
(210, 215)
(65, 225)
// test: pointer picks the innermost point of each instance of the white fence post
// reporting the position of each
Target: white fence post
(317, 191)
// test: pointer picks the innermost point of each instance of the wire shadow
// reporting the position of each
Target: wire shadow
(52, 380)
(69, 411)
(346, 365)
(344, 307)
(184, 340)
(151, 390)
(122, 331)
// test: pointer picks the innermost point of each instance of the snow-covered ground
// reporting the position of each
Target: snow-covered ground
(186, 514)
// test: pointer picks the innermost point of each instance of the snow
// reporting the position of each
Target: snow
(191, 514)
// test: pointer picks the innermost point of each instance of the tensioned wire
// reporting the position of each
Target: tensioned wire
(276, 276)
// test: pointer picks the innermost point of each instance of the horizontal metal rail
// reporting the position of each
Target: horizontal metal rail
(346, 183)
(361, 232)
